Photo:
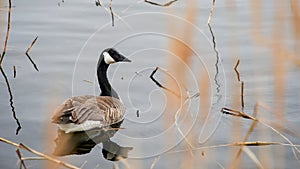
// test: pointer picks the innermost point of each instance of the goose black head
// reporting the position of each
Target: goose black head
(110, 56)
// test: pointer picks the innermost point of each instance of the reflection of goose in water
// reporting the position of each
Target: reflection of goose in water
(83, 142)
(86, 112)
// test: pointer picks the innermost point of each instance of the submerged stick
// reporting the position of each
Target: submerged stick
(27, 54)
(236, 71)
(112, 14)
(161, 5)
(159, 85)
(242, 95)
(7, 32)
(22, 146)
(15, 71)
(218, 58)
(11, 100)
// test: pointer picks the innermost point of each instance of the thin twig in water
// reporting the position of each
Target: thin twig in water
(22, 146)
(15, 71)
(218, 58)
(112, 14)
(27, 54)
(211, 11)
(22, 163)
(237, 113)
(7, 32)
(162, 5)
(159, 85)
(242, 95)
(236, 71)
(88, 81)
(11, 100)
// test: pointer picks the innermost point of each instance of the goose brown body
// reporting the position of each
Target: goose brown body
(85, 112)
(79, 110)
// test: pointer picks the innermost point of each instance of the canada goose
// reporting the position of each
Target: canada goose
(82, 113)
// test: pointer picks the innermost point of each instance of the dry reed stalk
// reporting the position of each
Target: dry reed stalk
(49, 132)
(204, 88)
(178, 69)
(243, 115)
(295, 8)
(27, 54)
(22, 163)
(238, 144)
(260, 39)
(279, 69)
(251, 128)
(22, 146)
(161, 5)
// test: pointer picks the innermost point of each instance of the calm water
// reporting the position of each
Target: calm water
(71, 35)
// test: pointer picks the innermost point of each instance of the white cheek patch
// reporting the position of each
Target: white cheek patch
(108, 59)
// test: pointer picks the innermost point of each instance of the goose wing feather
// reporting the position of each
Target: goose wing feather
(79, 109)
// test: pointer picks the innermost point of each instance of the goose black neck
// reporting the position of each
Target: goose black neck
(106, 89)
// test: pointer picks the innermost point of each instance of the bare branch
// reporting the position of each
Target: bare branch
(161, 5)
(161, 86)
(11, 100)
(27, 54)
(237, 113)
(217, 60)
(235, 69)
